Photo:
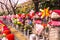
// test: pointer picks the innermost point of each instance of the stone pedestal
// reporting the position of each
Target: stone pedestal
(54, 33)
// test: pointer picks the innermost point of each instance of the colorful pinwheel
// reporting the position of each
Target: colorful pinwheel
(45, 12)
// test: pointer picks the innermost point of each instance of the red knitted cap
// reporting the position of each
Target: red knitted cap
(57, 11)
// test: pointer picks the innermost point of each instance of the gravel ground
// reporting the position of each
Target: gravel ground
(16, 38)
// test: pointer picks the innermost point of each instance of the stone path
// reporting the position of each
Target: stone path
(17, 34)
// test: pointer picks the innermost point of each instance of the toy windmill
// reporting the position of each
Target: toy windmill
(45, 12)
(44, 15)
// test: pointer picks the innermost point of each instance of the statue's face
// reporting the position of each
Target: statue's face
(54, 15)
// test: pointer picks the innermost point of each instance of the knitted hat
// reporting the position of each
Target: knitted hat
(57, 11)
(55, 14)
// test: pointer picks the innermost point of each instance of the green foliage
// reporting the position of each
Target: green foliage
(26, 27)
(47, 29)
(53, 4)
(25, 9)
(1, 13)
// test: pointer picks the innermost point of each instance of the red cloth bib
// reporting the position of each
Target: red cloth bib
(6, 32)
(10, 37)
(55, 23)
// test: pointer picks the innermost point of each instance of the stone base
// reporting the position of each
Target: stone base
(54, 33)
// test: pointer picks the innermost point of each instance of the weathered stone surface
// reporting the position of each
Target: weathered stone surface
(54, 33)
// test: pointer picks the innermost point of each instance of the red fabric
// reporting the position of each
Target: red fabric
(39, 13)
(1, 21)
(0, 27)
(4, 17)
(44, 25)
(50, 11)
(31, 15)
(10, 37)
(57, 11)
(23, 15)
(5, 29)
(55, 23)
(14, 16)
(37, 22)
(5, 26)
(9, 17)
(6, 32)
(19, 15)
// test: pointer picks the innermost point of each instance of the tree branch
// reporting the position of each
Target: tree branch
(5, 6)
(13, 8)
(16, 3)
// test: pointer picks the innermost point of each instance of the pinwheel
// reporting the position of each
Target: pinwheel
(45, 12)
